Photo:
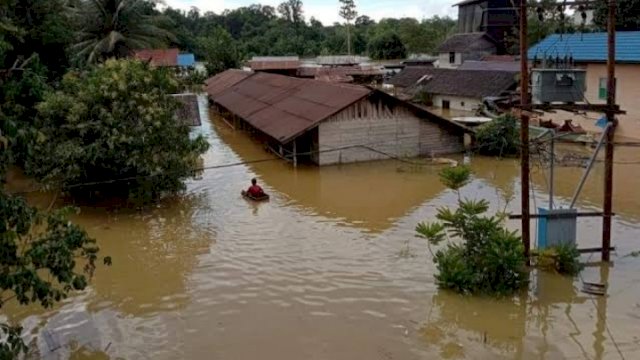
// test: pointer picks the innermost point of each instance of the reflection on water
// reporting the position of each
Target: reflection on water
(328, 269)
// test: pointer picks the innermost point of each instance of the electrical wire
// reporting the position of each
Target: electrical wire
(235, 164)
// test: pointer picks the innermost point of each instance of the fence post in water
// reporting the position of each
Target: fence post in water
(295, 154)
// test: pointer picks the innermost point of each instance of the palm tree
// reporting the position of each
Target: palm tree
(114, 28)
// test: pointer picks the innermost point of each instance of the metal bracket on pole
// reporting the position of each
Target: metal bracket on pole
(592, 160)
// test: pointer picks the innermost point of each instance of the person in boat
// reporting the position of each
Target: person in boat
(255, 190)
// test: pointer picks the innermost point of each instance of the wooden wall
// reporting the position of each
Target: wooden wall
(371, 130)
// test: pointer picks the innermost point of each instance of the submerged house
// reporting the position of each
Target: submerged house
(329, 123)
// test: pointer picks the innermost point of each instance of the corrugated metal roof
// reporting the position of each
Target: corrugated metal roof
(341, 71)
(341, 60)
(186, 60)
(469, 83)
(259, 63)
(410, 75)
(512, 66)
(189, 110)
(284, 107)
(589, 47)
(158, 57)
(467, 42)
(224, 80)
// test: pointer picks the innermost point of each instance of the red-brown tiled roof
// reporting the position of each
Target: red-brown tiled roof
(158, 57)
(284, 107)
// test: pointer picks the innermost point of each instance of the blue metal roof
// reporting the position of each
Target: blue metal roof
(186, 60)
(589, 47)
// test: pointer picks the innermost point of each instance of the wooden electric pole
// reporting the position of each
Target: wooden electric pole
(611, 113)
(524, 130)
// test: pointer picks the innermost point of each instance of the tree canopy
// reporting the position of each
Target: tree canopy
(114, 28)
(386, 46)
(627, 15)
(260, 30)
(115, 121)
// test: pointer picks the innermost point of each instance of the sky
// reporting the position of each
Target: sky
(327, 10)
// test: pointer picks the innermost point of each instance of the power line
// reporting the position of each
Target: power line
(240, 163)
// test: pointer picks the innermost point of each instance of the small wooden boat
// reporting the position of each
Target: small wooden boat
(247, 196)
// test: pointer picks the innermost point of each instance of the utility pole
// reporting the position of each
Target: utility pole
(611, 120)
(524, 130)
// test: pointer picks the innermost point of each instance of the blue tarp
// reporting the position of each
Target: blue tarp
(186, 60)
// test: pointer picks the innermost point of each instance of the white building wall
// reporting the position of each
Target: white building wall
(443, 61)
(457, 102)
(369, 131)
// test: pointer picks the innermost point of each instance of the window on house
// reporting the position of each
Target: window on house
(602, 89)
(462, 103)
(446, 104)
(452, 58)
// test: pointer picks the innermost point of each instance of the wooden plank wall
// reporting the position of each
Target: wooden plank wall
(369, 130)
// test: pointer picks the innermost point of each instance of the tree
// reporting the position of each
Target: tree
(219, 51)
(387, 46)
(291, 10)
(114, 122)
(114, 28)
(627, 15)
(39, 262)
(348, 13)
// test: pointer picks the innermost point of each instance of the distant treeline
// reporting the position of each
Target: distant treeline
(259, 30)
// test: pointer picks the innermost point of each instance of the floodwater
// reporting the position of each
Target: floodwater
(330, 269)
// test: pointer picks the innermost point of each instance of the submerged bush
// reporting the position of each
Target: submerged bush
(499, 137)
(486, 257)
(563, 259)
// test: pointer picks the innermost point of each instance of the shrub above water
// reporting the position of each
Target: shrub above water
(499, 137)
(481, 256)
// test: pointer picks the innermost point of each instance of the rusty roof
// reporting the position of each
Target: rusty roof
(274, 63)
(188, 110)
(158, 57)
(224, 80)
(284, 107)
(340, 71)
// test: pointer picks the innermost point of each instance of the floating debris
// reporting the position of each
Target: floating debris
(594, 288)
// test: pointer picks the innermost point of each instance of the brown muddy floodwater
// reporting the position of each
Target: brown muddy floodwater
(330, 269)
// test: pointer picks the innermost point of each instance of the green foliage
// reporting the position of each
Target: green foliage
(115, 121)
(40, 255)
(219, 51)
(264, 30)
(455, 177)
(114, 28)
(563, 259)
(499, 137)
(485, 257)
(387, 46)
(627, 15)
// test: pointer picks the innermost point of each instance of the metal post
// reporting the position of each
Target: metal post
(295, 154)
(608, 162)
(524, 130)
(592, 161)
(552, 164)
